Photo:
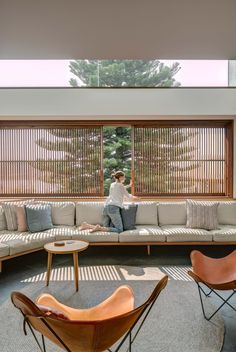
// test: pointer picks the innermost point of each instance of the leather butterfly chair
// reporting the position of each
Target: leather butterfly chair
(215, 274)
(87, 330)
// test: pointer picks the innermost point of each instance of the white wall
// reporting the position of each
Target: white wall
(126, 104)
(122, 103)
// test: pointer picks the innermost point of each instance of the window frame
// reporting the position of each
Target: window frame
(227, 124)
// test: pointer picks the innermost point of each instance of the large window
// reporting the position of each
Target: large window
(117, 73)
(164, 159)
(51, 161)
(182, 160)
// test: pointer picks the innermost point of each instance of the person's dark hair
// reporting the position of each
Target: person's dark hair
(117, 174)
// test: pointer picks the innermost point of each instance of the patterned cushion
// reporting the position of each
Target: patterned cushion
(202, 215)
(10, 213)
(3, 223)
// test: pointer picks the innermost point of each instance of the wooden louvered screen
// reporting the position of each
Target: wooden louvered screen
(173, 160)
(37, 161)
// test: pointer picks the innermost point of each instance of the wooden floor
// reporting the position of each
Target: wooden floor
(16, 271)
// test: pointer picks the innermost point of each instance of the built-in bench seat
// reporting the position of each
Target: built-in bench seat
(162, 223)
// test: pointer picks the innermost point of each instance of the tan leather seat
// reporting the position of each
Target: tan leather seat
(215, 274)
(87, 330)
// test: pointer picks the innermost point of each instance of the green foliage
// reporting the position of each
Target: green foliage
(117, 153)
(123, 73)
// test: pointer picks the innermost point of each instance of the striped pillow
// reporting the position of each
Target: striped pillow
(202, 215)
(10, 213)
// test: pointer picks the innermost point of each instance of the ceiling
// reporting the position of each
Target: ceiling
(124, 29)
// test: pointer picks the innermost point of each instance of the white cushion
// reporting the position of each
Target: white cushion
(226, 233)
(143, 233)
(227, 213)
(95, 236)
(90, 212)
(23, 241)
(178, 233)
(63, 213)
(172, 213)
(146, 214)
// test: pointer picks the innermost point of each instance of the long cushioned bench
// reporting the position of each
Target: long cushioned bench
(157, 223)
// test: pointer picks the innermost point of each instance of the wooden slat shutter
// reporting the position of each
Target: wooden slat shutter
(48, 161)
(172, 160)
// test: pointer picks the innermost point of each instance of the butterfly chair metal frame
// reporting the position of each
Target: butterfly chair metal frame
(131, 334)
(215, 274)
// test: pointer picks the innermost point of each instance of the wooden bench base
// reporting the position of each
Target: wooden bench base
(147, 244)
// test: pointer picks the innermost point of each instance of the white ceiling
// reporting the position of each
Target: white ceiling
(125, 29)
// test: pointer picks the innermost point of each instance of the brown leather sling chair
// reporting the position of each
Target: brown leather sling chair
(215, 274)
(87, 330)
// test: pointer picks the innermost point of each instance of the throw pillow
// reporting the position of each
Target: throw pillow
(128, 215)
(10, 213)
(39, 217)
(3, 223)
(21, 218)
(202, 215)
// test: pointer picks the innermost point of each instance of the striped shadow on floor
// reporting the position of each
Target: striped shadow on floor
(114, 273)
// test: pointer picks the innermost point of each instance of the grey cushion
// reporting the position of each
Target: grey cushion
(172, 213)
(3, 223)
(90, 212)
(227, 213)
(202, 214)
(226, 233)
(143, 233)
(128, 214)
(179, 233)
(39, 217)
(147, 214)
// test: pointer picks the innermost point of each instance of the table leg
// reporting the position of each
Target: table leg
(49, 267)
(76, 270)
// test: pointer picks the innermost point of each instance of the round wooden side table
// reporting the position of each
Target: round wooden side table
(69, 247)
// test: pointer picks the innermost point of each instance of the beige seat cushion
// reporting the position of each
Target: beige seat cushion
(62, 232)
(178, 233)
(95, 236)
(143, 233)
(226, 233)
(23, 241)
(4, 250)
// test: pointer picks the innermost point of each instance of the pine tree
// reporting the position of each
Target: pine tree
(117, 140)
(123, 73)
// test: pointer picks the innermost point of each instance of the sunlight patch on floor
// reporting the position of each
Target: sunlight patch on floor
(114, 273)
